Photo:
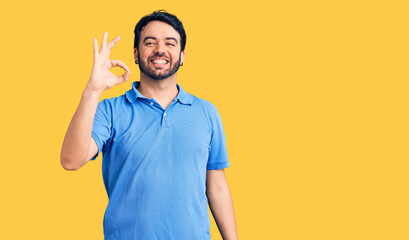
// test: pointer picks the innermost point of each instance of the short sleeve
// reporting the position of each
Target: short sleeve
(101, 129)
(218, 158)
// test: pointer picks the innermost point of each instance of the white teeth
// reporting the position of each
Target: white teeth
(159, 61)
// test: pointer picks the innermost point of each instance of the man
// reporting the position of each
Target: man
(164, 150)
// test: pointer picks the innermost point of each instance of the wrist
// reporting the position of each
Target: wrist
(92, 91)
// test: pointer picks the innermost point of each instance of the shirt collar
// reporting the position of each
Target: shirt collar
(133, 94)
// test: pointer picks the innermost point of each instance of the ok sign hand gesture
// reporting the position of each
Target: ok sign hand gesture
(101, 77)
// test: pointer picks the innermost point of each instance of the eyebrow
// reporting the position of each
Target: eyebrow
(153, 38)
(171, 38)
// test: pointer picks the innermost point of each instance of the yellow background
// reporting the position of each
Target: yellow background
(313, 96)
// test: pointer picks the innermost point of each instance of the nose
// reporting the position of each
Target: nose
(159, 49)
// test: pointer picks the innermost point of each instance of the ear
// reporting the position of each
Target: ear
(182, 56)
(135, 54)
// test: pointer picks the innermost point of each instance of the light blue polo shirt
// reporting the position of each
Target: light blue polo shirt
(154, 165)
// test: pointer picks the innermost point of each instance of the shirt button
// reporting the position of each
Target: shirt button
(164, 114)
(151, 103)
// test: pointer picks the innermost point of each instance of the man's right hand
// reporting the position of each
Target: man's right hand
(79, 146)
(101, 77)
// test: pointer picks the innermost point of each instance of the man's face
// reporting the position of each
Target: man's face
(159, 55)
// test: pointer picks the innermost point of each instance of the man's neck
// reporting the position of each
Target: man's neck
(163, 91)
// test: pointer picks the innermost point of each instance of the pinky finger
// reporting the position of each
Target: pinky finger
(96, 53)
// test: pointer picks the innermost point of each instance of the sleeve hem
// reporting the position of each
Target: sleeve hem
(98, 142)
(215, 166)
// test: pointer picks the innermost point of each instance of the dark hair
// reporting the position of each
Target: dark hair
(163, 16)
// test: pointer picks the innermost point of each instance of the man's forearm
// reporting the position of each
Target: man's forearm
(221, 205)
(76, 141)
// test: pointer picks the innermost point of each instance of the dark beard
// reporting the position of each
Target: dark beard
(143, 67)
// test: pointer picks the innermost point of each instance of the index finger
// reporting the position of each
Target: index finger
(119, 63)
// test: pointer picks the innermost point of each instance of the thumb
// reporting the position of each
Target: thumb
(124, 77)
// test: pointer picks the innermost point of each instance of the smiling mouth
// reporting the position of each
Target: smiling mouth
(159, 61)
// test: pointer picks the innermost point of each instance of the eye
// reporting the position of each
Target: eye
(149, 43)
(171, 44)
